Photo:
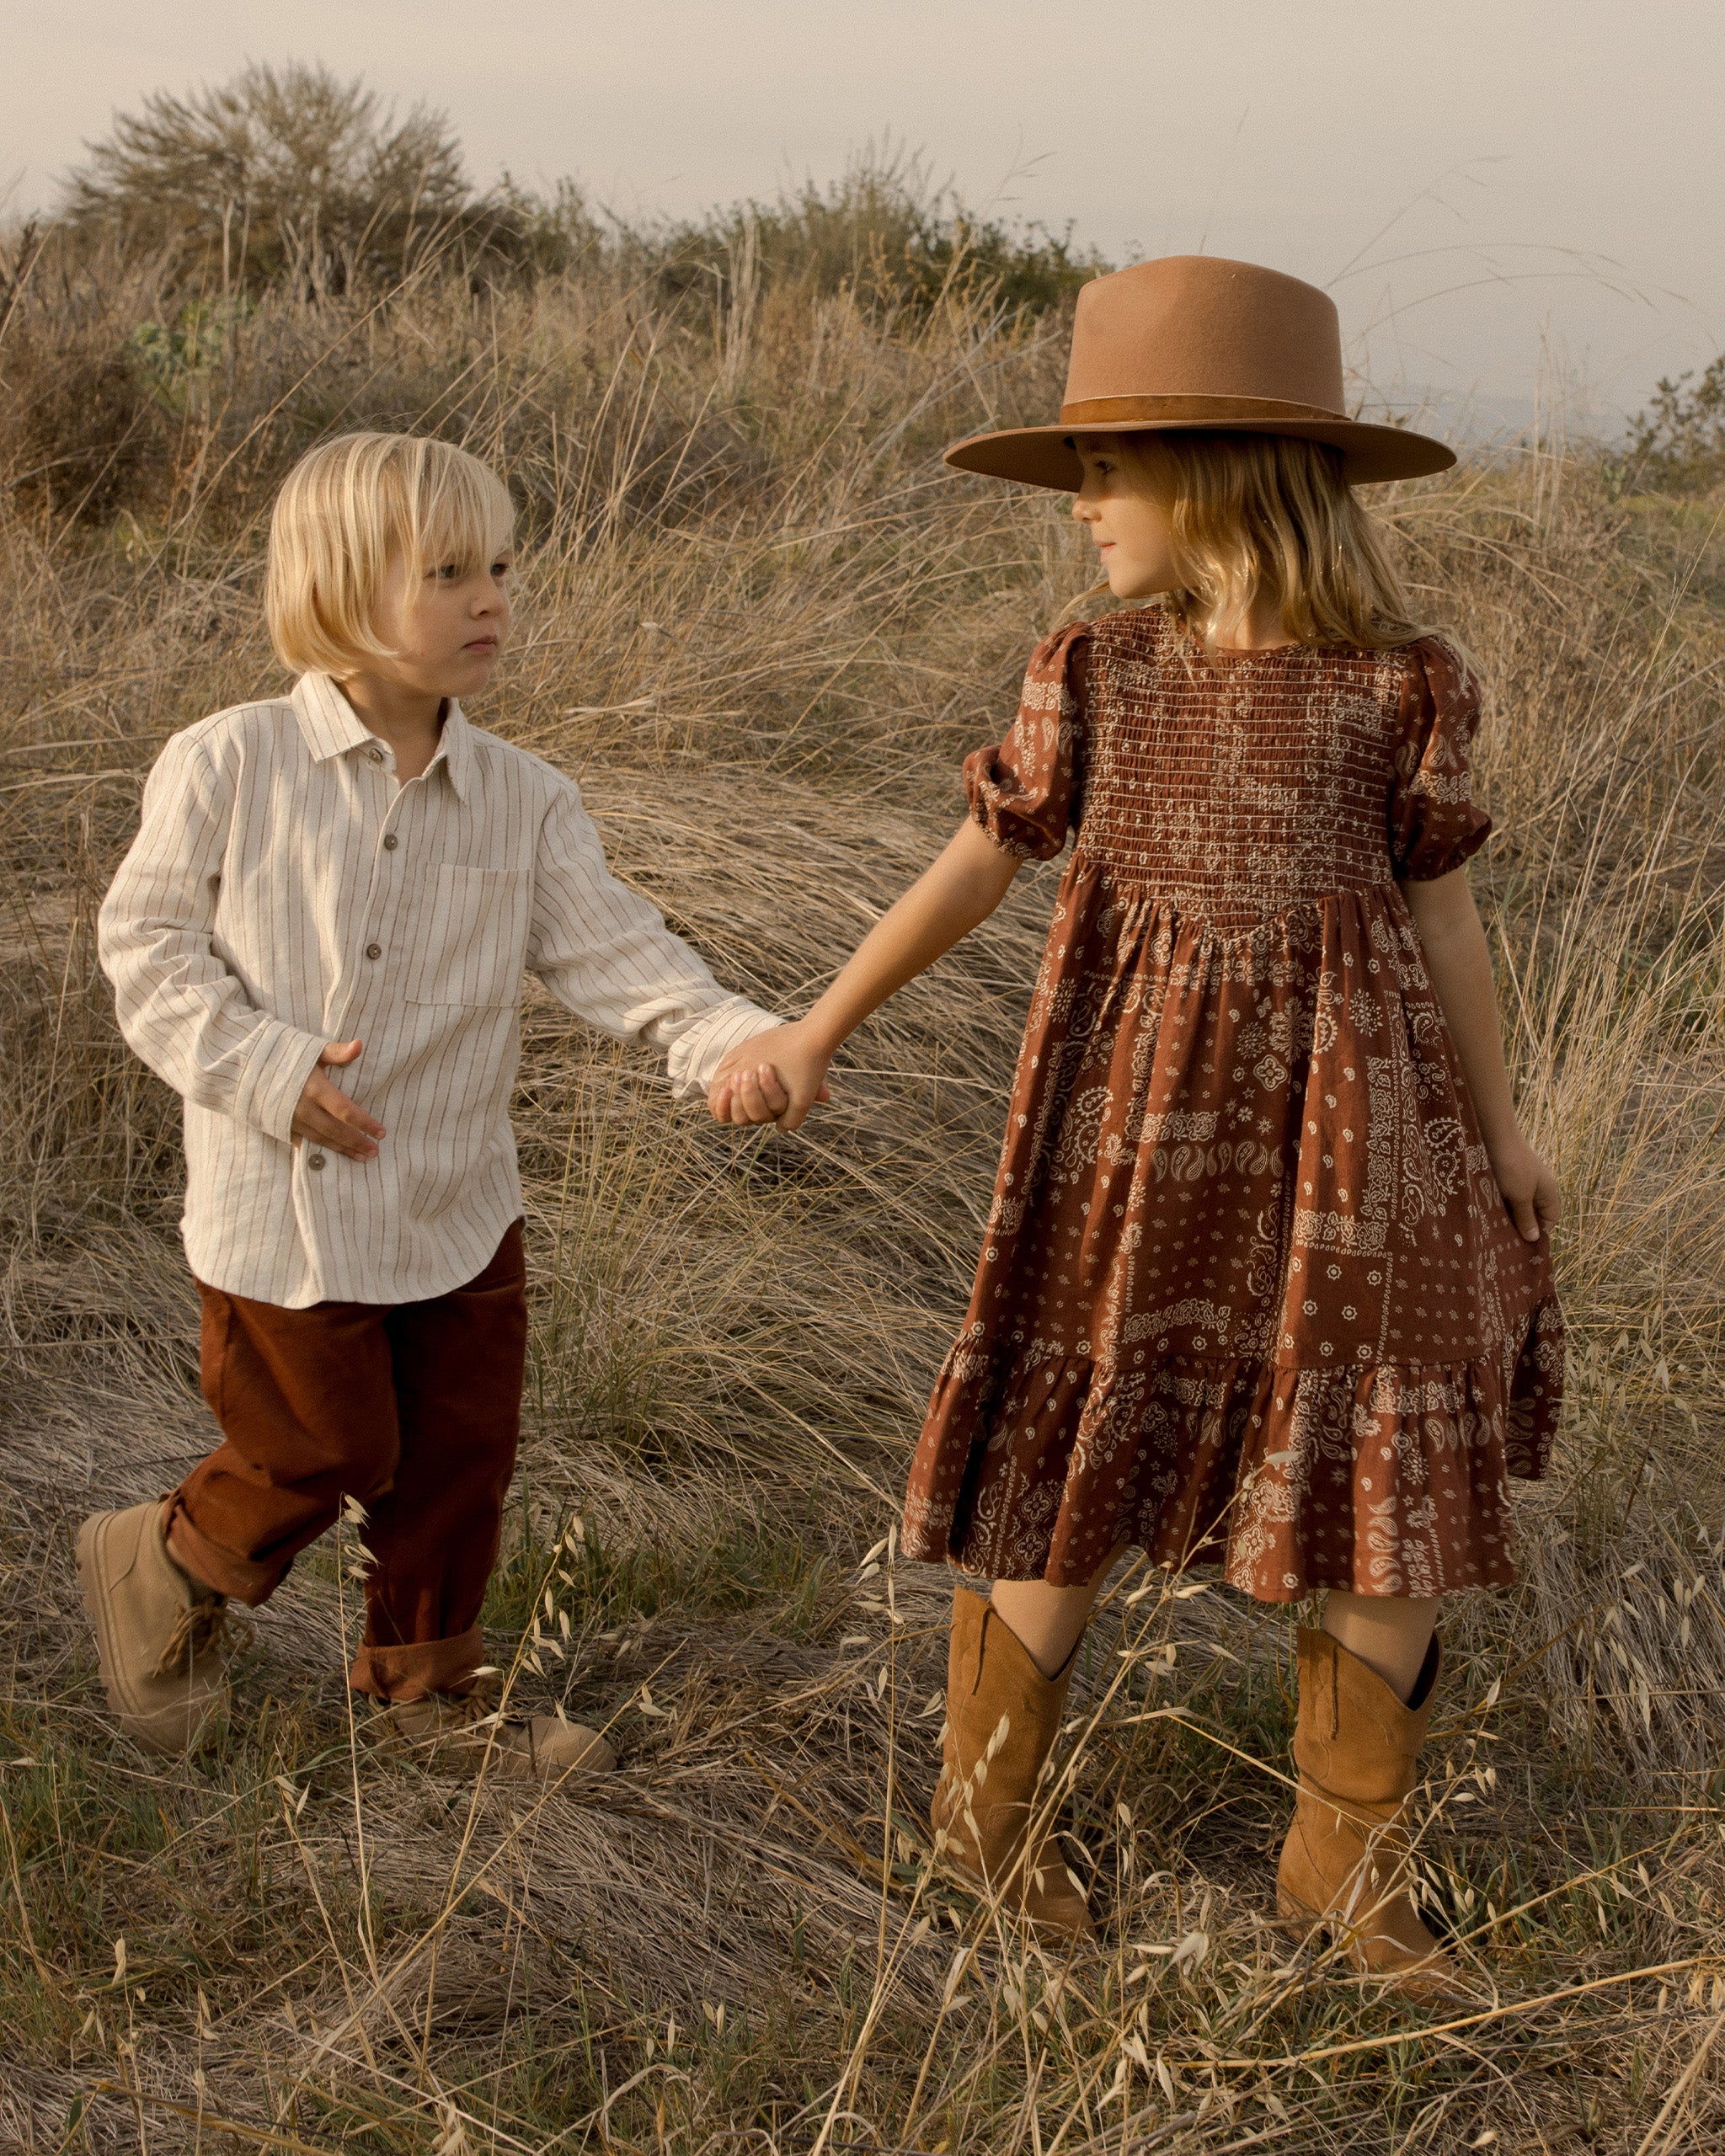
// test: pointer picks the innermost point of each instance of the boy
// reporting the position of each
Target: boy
(318, 938)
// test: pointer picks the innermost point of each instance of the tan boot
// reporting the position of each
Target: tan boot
(1003, 1718)
(1344, 1864)
(460, 1737)
(160, 1636)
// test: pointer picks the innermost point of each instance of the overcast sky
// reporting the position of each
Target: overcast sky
(1498, 192)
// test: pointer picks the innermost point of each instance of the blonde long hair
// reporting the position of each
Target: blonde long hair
(345, 511)
(1252, 513)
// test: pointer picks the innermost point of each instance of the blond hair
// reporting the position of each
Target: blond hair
(348, 508)
(1251, 515)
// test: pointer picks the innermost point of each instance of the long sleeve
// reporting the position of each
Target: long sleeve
(605, 951)
(181, 1007)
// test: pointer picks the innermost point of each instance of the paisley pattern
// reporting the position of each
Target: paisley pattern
(1249, 1290)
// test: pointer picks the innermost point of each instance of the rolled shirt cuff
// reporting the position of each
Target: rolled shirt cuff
(275, 1073)
(698, 1050)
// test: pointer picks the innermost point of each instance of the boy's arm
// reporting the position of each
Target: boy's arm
(780, 1079)
(605, 951)
(181, 1008)
(1460, 965)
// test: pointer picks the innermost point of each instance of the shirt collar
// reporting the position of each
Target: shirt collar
(332, 726)
(456, 747)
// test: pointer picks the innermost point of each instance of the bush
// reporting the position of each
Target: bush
(77, 424)
(281, 173)
(886, 232)
(1679, 445)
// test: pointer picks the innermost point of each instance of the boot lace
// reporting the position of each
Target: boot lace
(201, 1628)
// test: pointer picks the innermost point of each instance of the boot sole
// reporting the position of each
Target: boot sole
(99, 1604)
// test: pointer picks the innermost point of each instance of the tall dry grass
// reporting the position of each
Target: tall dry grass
(761, 625)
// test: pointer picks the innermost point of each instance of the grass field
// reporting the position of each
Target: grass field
(761, 627)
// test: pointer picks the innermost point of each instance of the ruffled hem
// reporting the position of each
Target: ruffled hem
(1388, 1480)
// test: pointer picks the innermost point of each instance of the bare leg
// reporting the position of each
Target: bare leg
(1389, 1633)
(1049, 1621)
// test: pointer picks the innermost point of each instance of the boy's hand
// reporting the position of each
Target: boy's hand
(1528, 1187)
(777, 1077)
(327, 1116)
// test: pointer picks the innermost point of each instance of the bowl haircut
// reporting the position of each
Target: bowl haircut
(348, 509)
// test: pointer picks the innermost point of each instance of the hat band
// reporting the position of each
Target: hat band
(1188, 411)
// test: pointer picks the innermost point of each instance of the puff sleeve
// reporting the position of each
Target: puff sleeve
(1026, 793)
(1435, 822)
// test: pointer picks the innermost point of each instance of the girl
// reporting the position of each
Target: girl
(1267, 1276)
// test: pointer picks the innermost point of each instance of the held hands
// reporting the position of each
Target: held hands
(781, 1074)
(327, 1116)
(1528, 1187)
(777, 1077)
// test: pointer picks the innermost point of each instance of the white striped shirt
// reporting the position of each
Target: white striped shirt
(285, 890)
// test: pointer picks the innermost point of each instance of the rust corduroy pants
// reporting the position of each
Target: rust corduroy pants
(414, 1410)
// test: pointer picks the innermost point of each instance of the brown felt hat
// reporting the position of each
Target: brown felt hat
(1193, 342)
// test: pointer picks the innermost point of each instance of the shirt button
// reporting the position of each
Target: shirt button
(391, 842)
(314, 1161)
(374, 950)
(376, 754)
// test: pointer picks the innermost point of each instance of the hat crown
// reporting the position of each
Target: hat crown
(1195, 325)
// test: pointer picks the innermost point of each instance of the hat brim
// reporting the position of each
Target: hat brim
(1043, 456)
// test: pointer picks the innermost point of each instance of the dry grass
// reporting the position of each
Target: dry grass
(761, 628)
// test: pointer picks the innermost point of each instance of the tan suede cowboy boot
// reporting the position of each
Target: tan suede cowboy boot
(1003, 1718)
(160, 1635)
(1344, 1864)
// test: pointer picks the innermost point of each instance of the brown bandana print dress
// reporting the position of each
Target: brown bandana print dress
(1249, 1291)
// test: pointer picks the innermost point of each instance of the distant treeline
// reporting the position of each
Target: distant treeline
(213, 284)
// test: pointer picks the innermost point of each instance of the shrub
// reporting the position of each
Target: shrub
(1679, 444)
(77, 424)
(887, 233)
(283, 172)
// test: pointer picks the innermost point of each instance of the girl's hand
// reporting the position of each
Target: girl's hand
(777, 1077)
(780, 1075)
(1528, 1187)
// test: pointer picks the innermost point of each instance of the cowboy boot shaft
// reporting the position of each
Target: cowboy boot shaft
(991, 1680)
(1344, 1864)
(1003, 1717)
(1354, 1738)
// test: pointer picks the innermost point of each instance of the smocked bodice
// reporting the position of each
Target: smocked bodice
(1237, 788)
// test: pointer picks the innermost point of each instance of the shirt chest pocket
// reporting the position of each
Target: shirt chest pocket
(472, 943)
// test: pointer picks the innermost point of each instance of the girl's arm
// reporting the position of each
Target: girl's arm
(778, 1076)
(1460, 964)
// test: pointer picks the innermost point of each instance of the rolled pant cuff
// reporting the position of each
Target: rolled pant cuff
(224, 1571)
(405, 1673)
